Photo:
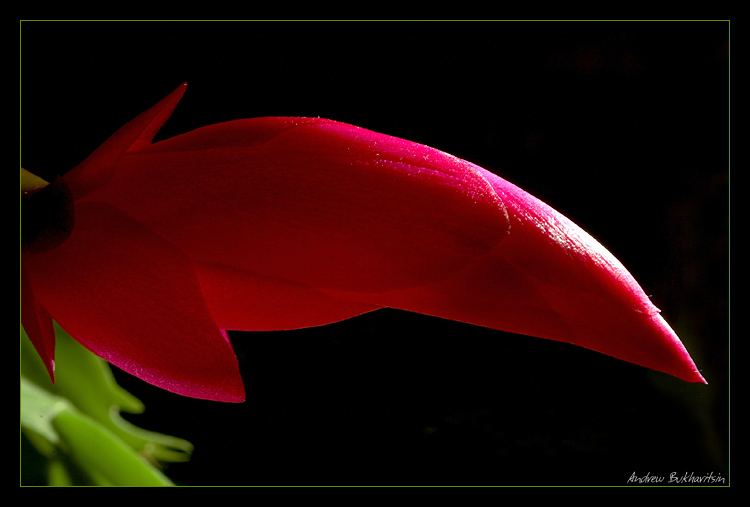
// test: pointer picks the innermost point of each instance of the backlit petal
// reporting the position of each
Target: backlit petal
(306, 208)
(552, 280)
(319, 203)
(97, 169)
(283, 223)
(37, 323)
(133, 299)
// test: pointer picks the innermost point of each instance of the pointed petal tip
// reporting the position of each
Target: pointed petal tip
(231, 392)
(51, 370)
(695, 376)
(681, 365)
(689, 371)
(179, 91)
(234, 397)
(97, 169)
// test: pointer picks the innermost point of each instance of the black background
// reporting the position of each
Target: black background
(622, 126)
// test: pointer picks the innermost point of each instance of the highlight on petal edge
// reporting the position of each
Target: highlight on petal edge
(285, 223)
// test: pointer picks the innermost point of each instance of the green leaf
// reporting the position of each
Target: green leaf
(78, 418)
(38, 409)
(103, 455)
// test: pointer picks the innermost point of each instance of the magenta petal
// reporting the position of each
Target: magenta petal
(280, 223)
(293, 217)
(314, 202)
(98, 167)
(133, 299)
(38, 324)
(552, 280)
(243, 301)
(601, 304)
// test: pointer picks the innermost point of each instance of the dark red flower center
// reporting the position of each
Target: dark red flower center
(46, 217)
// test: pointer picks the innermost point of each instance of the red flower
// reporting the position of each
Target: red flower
(283, 223)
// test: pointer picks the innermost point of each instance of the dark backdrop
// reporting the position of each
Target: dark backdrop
(622, 126)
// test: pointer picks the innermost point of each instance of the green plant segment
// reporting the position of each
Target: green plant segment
(76, 426)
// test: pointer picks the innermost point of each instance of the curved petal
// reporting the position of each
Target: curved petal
(550, 279)
(133, 299)
(602, 305)
(364, 217)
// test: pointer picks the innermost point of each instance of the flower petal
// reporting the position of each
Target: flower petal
(133, 299)
(310, 206)
(98, 167)
(602, 305)
(244, 301)
(319, 203)
(37, 323)
(552, 280)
